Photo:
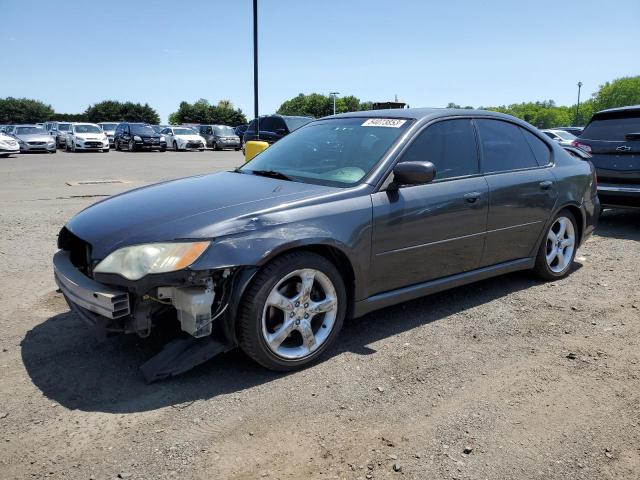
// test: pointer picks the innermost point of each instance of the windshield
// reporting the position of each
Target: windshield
(143, 129)
(338, 152)
(64, 127)
(87, 129)
(296, 122)
(611, 128)
(225, 131)
(183, 131)
(564, 135)
(30, 131)
(109, 126)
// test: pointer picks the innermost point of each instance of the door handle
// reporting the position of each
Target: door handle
(472, 197)
(546, 185)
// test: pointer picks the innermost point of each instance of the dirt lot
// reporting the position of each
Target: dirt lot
(508, 378)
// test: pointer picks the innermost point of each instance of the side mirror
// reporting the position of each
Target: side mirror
(413, 173)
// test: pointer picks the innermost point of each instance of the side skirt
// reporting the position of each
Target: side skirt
(404, 294)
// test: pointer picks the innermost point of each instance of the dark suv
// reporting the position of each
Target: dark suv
(274, 127)
(138, 136)
(613, 138)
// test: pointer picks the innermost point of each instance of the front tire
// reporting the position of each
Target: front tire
(131, 146)
(175, 145)
(292, 311)
(558, 248)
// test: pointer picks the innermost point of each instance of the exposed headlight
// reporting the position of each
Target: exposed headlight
(162, 139)
(137, 138)
(139, 260)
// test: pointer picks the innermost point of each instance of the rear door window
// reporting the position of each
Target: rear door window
(504, 147)
(611, 128)
(450, 145)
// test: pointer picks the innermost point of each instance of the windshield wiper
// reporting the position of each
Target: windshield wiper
(272, 174)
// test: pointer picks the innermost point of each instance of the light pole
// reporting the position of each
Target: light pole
(333, 94)
(255, 66)
(578, 104)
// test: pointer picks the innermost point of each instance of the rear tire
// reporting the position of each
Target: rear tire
(558, 247)
(286, 322)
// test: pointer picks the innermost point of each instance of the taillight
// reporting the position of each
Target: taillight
(582, 146)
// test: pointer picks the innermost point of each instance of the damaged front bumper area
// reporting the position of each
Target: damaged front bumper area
(195, 302)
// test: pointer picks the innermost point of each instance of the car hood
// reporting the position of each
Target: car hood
(205, 206)
(7, 138)
(189, 137)
(35, 137)
(90, 136)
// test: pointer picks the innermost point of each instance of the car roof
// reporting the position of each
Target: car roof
(619, 109)
(422, 113)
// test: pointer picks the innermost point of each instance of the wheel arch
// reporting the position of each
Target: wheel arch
(577, 212)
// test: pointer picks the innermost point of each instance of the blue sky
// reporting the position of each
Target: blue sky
(74, 53)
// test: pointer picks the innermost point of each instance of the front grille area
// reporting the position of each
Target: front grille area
(79, 250)
(93, 144)
(37, 143)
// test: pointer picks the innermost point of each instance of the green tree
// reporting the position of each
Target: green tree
(202, 111)
(115, 111)
(318, 105)
(621, 92)
(24, 110)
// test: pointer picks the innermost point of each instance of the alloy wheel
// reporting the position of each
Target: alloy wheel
(561, 241)
(299, 314)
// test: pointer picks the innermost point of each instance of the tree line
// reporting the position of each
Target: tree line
(542, 114)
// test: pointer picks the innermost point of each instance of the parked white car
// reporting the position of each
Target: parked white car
(560, 136)
(8, 145)
(183, 138)
(86, 136)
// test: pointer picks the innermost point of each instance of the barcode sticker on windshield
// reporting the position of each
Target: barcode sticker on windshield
(384, 122)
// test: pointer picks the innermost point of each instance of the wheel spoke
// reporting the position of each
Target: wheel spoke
(322, 306)
(552, 236)
(567, 242)
(561, 259)
(308, 338)
(276, 339)
(563, 227)
(308, 277)
(551, 255)
(278, 300)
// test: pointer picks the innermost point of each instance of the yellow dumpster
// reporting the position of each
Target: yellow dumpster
(252, 148)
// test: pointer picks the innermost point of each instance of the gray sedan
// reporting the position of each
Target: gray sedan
(34, 139)
(346, 215)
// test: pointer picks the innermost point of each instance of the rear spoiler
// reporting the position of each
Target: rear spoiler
(577, 152)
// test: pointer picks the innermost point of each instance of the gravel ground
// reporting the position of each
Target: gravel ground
(507, 378)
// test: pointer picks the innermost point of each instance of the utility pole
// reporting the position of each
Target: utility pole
(578, 104)
(255, 67)
(333, 94)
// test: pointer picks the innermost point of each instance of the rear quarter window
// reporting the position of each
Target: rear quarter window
(538, 147)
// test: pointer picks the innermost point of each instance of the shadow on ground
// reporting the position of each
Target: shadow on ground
(80, 371)
(619, 223)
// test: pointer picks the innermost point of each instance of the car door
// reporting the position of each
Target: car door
(424, 232)
(522, 193)
(168, 136)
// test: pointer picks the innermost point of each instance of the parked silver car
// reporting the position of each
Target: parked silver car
(58, 130)
(32, 138)
(109, 128)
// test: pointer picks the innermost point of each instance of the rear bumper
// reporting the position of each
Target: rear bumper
(87, 294)
(619, 195)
